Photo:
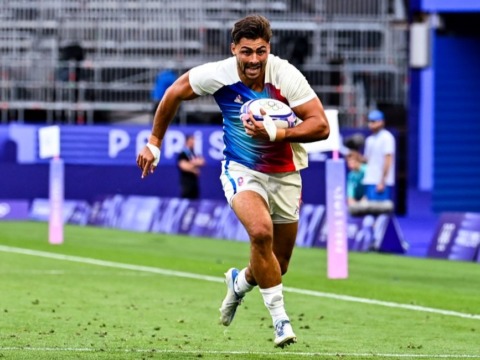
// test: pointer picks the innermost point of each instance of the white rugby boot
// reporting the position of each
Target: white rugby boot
(284, 334)
(232, 299)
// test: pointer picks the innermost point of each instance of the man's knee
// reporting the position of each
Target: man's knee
(261, 236)
(261, 239)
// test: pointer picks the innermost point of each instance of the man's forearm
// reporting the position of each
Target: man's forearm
(163, 117)
(386, 167)
(168, 107)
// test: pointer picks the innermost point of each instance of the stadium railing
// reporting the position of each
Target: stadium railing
(354, 52)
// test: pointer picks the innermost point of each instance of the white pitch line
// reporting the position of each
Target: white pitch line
(63, 272)
(148, 269)
(277, 353)
(383, 303)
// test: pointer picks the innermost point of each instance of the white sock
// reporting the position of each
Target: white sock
(241, 286)
(273, 299)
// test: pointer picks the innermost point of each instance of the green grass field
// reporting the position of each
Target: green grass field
(109, 294)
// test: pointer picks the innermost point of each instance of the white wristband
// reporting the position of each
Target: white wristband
(270, 127)
(156, 153)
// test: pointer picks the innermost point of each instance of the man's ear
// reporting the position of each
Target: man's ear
(232, 48)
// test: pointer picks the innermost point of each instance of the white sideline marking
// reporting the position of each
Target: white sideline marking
(279, 353)
(54, 272)
(111, 264)
(34, 272)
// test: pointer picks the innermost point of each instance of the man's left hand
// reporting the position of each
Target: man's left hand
(265, 129)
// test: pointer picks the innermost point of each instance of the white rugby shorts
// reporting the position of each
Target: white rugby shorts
(281, 191)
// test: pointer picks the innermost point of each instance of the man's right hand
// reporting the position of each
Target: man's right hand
(148, 158)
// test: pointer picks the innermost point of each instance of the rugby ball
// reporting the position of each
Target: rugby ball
(281, 114)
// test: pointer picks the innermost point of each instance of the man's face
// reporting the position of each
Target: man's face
(352, 162)
(251, 57)
(190, 142)
(375, 126)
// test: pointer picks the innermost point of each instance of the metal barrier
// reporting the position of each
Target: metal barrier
(72, 58)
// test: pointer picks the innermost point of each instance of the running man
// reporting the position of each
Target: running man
(261, 166)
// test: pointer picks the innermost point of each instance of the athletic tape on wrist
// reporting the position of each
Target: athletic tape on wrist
(156, 153)
(270, 127)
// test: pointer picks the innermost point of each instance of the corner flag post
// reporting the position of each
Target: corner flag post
(337, 247)
(56, 197)
(49, 139)
(336, 205)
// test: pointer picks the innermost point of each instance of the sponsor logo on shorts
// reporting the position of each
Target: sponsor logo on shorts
(240, 181)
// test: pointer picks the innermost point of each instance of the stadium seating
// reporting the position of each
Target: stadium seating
(353, 52)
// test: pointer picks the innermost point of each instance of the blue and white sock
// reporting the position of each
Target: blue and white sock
(241, 286)
(273, 299)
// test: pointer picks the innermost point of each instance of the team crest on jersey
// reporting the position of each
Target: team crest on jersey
(238, 99)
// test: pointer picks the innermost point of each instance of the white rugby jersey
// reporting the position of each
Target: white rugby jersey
(282, 82)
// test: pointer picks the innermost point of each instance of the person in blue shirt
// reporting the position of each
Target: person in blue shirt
(163, 81)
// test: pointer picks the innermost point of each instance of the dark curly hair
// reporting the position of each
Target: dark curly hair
(251, 27)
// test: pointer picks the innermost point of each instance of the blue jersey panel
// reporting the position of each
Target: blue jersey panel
(260, 155)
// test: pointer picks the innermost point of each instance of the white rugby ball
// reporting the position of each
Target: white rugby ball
(281, 114)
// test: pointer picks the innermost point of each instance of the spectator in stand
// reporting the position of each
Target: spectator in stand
(163, 81)
(353, 148)
(379, 155)
(356, 172)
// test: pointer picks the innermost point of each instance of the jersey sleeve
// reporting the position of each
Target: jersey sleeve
(389, 144)
(206, 79)
(293, 84)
